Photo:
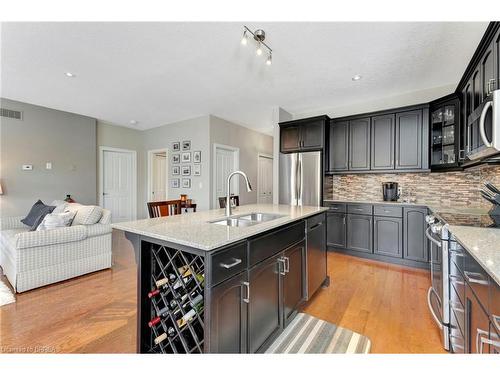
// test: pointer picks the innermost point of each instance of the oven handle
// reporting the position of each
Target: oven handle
(428, 235)
(429, 292)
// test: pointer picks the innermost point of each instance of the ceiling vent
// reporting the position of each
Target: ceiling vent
(10, 113)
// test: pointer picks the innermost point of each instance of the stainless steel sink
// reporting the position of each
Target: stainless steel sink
(260, 217)
(246, 220)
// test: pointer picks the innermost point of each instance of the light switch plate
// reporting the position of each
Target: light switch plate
(27, 167)
(48, 165)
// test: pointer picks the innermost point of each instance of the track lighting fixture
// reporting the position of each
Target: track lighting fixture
(259, 36)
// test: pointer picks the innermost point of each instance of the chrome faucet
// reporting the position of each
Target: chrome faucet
(228, 196)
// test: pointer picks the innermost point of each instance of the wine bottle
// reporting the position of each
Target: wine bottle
(197, 306)
(161, 282)
(160, 338)
(153, 293)
(154, 321)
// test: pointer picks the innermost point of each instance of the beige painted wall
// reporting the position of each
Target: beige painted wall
(44, 135)
(250, 143)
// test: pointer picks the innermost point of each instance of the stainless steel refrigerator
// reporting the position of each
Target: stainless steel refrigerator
(301, 179)
(301, 184)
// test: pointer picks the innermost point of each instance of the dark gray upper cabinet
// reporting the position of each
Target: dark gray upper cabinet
(339, 146)
(336, 229)
(496, 59)
(228, 323)
(290, 138)
(293, 281)
(388, 236)
(359, 144)
(382, 139)
(303, 135)
(359, 233)
(488, 72)
(415, 242)
(264, 309)
(409, 131)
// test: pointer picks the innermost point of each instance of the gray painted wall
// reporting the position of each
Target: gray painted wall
(250, 143)
(195, 130)
(66, 140)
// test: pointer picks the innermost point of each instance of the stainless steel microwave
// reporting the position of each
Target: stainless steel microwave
(483, 129)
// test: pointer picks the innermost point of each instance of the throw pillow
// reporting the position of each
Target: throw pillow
(56, 220)
(44, 212)
(60, 206)
(85, 215)
(38, 209)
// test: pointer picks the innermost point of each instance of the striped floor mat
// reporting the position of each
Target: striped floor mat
(307, 334)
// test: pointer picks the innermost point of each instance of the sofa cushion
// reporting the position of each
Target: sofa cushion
(85, 215)
(37, 213)
(50, 237)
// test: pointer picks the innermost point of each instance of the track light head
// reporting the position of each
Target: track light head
(269, 60)
(244, 39)
(259, 50)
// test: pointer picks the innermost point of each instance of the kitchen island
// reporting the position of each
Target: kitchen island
(207, 284)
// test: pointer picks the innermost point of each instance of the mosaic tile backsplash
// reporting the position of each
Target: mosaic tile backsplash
(450, 189)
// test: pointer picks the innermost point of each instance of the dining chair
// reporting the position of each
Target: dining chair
(234, 198)
(164, 208)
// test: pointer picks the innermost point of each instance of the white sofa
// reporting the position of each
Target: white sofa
(31, 259)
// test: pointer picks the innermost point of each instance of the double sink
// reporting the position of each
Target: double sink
(246, 220)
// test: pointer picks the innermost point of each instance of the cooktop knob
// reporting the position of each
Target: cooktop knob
(430, 219)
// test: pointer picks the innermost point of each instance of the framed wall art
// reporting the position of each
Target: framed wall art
(186, 145)
(197, 156)
(197, 169)
(186, 183)
(176, 158)
(186, 170)
(174, 183)
(176, 146)
(176, 170)
(186, 157)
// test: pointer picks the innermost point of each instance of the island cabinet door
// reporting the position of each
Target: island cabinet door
(228, 321)
(293, 281)
(264, 308)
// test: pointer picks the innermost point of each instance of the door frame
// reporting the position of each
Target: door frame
(267, 156)
(100, 187)
(150, 171)
(236, 151)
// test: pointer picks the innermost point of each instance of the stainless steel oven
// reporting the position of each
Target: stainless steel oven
(438, 293)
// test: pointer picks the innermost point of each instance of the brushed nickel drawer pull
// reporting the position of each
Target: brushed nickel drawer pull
(496, 321)
(231, 265)
(246, 284)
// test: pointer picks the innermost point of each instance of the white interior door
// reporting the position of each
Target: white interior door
(226, 161)
(265, 180)
(117, 185)
(159, 192)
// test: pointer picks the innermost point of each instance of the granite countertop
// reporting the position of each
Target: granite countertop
(194, 229)
(484, 246)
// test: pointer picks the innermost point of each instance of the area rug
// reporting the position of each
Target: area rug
(6, 295)
(307, 334)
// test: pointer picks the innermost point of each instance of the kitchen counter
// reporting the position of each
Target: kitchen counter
(195, 230)
(484, 246)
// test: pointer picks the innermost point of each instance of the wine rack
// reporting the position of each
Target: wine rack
(176, 301)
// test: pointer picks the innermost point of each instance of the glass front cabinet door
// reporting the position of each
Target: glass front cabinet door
(445, 134)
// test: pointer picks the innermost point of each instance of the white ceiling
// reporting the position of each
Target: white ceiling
(158, 73)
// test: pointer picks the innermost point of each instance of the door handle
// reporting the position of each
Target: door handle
(316, 225)
(479, 340)
(246, 284)
(481, 123)
(286, 264)
(231, 265)
(280, 262)
(429, 293)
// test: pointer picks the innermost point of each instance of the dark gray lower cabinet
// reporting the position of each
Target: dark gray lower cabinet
(264, 309)
(293, 281)
(415, 242)
(228, 323)
(477, 323)
(336, 229)
(388, 236)
(359, 233)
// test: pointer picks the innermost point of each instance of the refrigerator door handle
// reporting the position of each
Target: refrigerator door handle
(299, 179)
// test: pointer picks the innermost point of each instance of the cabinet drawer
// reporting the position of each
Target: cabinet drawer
(269, 244)
(315, 221)
(336, 207)
(360, 209)
(392, 211)
(229, 262)
(478, 280)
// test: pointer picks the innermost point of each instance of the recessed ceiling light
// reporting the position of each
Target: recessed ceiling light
(134, 122)
(69, 74)
(357, 77)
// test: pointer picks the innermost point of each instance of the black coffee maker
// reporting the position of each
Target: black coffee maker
(390, 191)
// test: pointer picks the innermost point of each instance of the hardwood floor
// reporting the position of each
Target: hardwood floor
(96, 313)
